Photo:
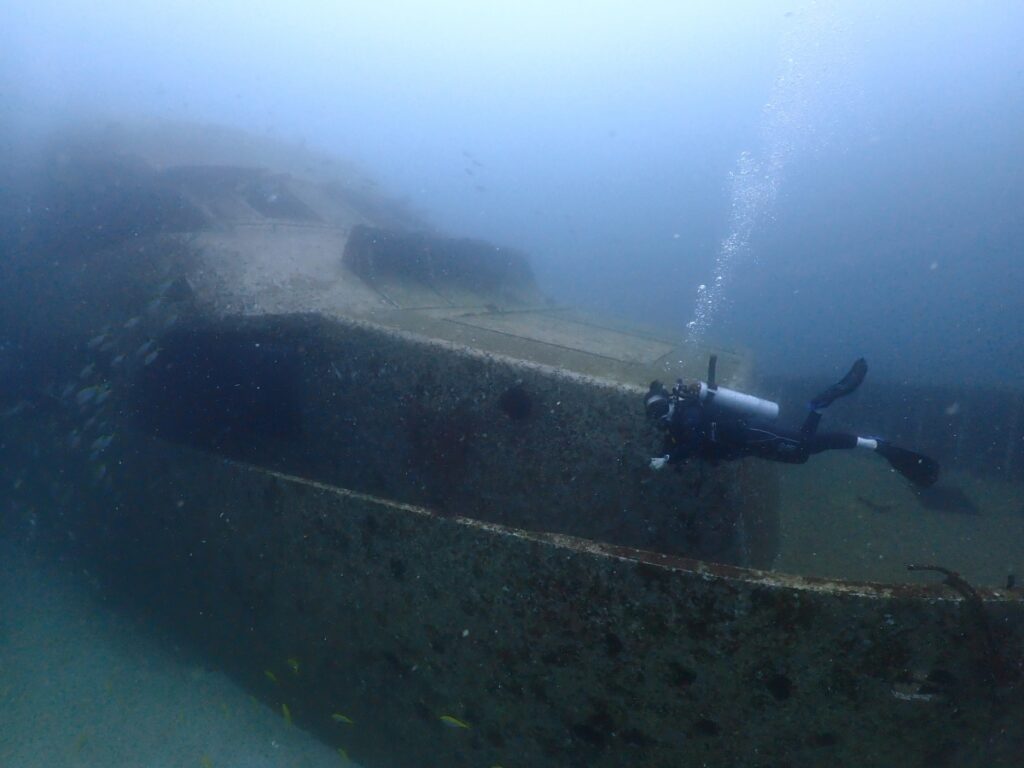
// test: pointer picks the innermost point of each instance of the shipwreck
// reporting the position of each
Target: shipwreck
(370, 468)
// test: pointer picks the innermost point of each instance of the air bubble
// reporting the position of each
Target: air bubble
(757, 175)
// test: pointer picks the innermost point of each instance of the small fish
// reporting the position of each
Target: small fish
(344, 755)
(453, 722)
(293, 664)
(144, 349)
(287, 713)
(95, 341)
(85, 395)
(270, 675)
(339, 718)
(102, 395)
(151, 356)
(88, 371)
(206, 762)
(132, 323)
(67, 391)
(117, 360)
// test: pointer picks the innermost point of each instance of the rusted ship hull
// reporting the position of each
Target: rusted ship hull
(553, 650)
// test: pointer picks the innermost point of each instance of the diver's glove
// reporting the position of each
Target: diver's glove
(659, 462)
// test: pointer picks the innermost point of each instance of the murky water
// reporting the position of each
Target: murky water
(83, 684)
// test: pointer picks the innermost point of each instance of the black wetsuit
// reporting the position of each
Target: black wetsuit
(695, 431)
(694, 428)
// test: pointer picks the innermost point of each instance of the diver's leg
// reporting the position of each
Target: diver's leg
(921, 470)
(811, 423)
(773, 444)
(833, 441)
(843, 387)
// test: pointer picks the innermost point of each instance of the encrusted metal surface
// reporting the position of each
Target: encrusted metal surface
(461, 432)
(554, 651)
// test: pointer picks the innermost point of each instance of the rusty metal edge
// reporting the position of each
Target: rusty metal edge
(699, 568)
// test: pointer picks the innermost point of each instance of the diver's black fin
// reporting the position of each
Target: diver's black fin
(920, 470)
(848, 384)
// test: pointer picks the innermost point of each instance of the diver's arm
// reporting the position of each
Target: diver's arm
(677, 453)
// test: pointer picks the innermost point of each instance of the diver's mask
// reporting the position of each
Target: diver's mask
(657, 401)
(660, 403)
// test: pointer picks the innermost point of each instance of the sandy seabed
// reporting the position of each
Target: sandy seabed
(847, 515)
(83, 685)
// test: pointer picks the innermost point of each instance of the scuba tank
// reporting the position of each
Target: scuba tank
(731, 401)
(661, 404)
(692, 413)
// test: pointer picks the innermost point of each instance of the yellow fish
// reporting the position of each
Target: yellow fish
(287, 714)
(344, 755)
(341, 719)
(270, 675)
(293, 663)
(206, 762)
(453, 722)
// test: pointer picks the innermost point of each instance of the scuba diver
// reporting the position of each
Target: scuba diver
(717, 424)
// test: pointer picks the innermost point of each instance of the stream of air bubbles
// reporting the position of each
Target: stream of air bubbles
(757, 176)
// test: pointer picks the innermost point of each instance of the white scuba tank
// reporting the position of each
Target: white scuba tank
(739, 402)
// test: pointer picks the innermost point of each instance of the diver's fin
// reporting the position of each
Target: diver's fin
(920, 470)
(848, 384)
